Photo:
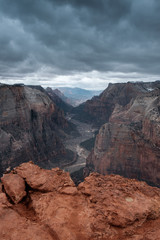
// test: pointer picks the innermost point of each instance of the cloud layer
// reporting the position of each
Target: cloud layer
(79, 42)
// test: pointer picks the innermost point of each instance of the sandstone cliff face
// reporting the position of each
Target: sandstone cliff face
(99, 109)
(46, 205)
(129, 144)
(29, 126)
(59, 99)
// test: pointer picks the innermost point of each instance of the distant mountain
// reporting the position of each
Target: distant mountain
(62, 96)
(78, 95)
(59, 99)
(98, 110)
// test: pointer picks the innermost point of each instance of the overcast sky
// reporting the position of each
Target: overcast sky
(79, 43)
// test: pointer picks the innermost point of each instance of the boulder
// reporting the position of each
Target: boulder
(14, 186)
(44, 180)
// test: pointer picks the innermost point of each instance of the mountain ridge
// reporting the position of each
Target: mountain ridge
(98, 110)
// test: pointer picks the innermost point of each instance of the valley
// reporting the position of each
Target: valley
(80, 120)
(37, 125)
(73, 143)
(87, 199)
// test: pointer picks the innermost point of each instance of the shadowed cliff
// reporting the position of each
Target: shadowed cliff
(31, 126)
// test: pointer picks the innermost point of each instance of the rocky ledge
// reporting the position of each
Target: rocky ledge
(46, 205)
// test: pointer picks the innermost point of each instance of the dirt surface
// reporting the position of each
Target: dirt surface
(73, 143)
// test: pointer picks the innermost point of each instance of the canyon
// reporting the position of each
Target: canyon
(74, 144)
(38, 127)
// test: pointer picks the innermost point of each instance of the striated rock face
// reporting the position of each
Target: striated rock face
(99, 109)
(60, 100)
(129, 144)
(102, 207)
(29, 127)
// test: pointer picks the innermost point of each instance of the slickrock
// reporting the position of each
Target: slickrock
(4, 201)
(45, 181)
(129, 144)
(14, 186)
(16, 227)
(102, 207)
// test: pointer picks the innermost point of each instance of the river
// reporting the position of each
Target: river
(73, 143)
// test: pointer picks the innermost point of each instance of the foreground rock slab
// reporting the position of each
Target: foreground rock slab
(102, 207)
(14, 186)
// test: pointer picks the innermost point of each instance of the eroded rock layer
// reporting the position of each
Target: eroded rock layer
(129, 144)
(59, 99)
(102, 207)
(99, 109)
(29, 127)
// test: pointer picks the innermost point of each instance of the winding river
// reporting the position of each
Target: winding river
(73, 143)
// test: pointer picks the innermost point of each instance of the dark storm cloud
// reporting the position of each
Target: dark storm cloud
(69, 36)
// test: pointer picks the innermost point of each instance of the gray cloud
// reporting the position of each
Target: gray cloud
(47, 39)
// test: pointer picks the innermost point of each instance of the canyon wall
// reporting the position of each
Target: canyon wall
(99, 109)
(30, 126)
(129, 144)
(59, 99)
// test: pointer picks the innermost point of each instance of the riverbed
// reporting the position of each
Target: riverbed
(73, 143)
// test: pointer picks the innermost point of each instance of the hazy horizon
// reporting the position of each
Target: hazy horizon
(72, 87)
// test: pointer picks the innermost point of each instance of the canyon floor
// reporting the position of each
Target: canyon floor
(73, 143)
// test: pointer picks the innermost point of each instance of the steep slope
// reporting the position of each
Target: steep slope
(59, 99)
(29, 128)
(129, 144)
(45, 205)
(98, 110)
